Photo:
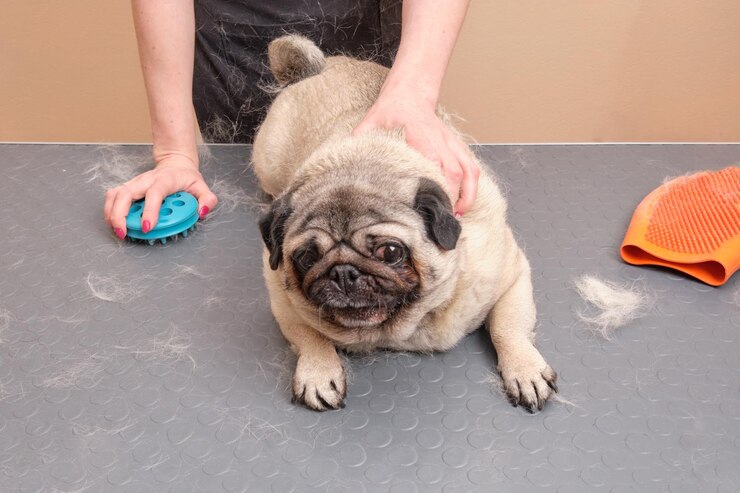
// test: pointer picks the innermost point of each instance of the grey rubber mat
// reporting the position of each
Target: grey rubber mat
(127, 367)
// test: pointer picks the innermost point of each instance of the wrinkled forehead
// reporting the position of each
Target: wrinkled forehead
(352, 214)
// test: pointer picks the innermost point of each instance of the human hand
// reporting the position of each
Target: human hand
(426, 133)
(172, 174)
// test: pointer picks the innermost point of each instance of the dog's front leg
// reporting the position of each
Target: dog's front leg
(319, 381)
(528, 379)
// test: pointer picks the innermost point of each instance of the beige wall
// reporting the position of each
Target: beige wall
(523, 71)
(69, 71)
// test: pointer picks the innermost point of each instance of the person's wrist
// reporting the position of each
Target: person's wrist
(176, 158)
(406, 80)
(420, 92)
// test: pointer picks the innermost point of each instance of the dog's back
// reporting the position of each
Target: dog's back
(321, 99)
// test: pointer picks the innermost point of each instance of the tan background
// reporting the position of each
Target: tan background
(523, 71)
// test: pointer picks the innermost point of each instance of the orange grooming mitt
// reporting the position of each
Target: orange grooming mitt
(692, 224)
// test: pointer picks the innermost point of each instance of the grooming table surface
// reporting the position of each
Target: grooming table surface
(180, 382)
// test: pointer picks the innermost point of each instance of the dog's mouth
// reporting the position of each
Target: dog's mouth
(354, 309)
(355, 318)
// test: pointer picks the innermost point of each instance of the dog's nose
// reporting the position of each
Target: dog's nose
(344, 275)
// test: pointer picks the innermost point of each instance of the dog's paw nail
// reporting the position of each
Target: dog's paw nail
(323, 384)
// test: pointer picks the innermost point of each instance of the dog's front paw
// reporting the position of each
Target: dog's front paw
(319, 384)
(528, 379)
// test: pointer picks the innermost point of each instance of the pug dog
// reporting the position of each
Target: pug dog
(362, 250)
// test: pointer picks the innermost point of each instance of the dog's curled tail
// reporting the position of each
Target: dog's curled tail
(293, 58)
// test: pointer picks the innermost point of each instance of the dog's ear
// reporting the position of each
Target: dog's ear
(272, 227)
(434, 206)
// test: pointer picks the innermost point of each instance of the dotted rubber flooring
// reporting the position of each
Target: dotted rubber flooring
(175, 376)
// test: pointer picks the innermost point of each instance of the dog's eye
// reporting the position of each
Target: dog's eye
(306, 259)
(390, 253)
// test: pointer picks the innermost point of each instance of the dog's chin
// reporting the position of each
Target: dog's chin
(358, 318)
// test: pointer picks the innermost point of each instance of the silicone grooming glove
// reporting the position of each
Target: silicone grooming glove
(691, 224)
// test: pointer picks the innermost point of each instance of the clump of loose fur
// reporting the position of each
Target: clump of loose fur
(615, 305)
(116, 167)
(170, 347)
(113, 289)
(81, 371)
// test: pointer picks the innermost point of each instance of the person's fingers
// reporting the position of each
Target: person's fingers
(207, 200)
(110, 197)
(469, 183)
(152, 203)
(121, 205)
(452, 173)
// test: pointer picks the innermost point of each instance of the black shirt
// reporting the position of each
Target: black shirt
(231, 77)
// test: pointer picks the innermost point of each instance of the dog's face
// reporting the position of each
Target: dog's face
(355, 255)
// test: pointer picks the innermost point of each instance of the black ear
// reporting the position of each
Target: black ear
(272, 227)
(434, 206)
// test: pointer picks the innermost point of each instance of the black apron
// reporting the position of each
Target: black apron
(231, 75)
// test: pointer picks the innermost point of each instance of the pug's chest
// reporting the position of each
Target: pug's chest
(441, 330)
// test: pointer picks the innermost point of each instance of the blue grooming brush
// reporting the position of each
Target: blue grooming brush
(178, 215)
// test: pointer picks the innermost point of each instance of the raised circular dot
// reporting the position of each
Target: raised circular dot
(586, 441)
(403, 455)
(248, 450)
(430, 438)
(352, 455)
(480, 405)
(384, 373)
(405, 388)
(611, 424)
(297, 453)
(481, 440)
(178, 203)
(640, 443)
(378, 438)
(506, 422)
(454, 390)
(455, 359)
(455, 457)
(381, 403)
(356, 419)
(455, 422)
(403, 487)
(378, 473)
(431, 374)
(540, 476)
(563, 460)
(661, 425)
(430, 474)
(405, 420)
(631, 408)
(430, 404)
(533, 440)
(165, 211)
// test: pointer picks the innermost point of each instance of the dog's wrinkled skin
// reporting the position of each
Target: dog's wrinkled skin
(362, 249)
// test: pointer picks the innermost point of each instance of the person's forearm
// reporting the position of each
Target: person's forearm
(428, 35)
(165, 33)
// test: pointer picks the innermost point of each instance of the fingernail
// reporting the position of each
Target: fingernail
(146, 226)
(458, 215)
(119, 232)
(203, 211)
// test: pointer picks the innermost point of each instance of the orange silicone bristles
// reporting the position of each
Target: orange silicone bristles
(692, 224)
